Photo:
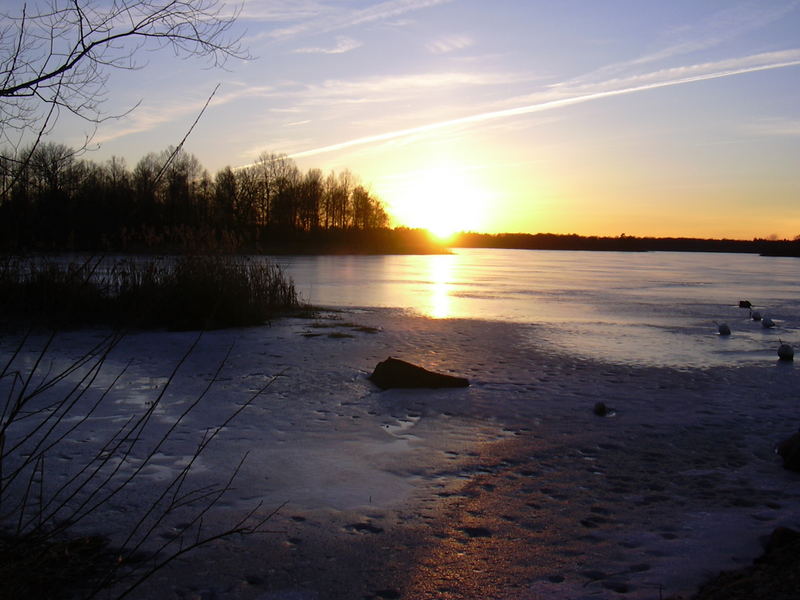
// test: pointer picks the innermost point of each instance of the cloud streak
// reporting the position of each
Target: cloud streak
(727, 24)
(335, 22)
(774, 127)
(381, 88)
(370, 90)
(343, 44)
(719, 28)
(282, 10)
(147, 118)
(568, 97)
(449, 43)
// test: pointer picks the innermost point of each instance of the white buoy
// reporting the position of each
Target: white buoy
(766, 323)
(785, 352)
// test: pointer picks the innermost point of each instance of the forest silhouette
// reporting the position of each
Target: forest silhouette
(55, 201)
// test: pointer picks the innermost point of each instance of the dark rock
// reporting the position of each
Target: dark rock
(395, 373)
(745, 304)
(475, 532)
(785, 352)
(365, 527)
(601, 410)
(781, 537)
(789, 449)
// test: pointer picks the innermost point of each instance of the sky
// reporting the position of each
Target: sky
(596, 117)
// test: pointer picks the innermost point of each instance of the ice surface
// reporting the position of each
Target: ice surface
(511, 488)
(649, 308)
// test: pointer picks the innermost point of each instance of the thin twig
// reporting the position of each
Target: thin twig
(178, 148)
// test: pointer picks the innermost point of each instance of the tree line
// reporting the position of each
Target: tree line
(625, 243)
(55, 200)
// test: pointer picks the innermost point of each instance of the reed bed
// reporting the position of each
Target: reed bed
(187, 292)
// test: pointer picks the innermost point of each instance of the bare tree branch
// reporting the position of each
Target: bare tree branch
(57, 55)
(43, 514)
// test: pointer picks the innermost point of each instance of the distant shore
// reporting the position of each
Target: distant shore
(624, 243)
(398, 240)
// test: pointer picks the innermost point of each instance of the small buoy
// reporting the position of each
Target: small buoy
(766, 323)
(745, 304)
(755, 315)
(785, 352)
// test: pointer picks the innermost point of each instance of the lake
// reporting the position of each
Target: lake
(654, 308)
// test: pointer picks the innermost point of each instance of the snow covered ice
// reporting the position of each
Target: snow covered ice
(511, 488)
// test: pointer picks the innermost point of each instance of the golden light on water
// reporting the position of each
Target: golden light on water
(441, 277)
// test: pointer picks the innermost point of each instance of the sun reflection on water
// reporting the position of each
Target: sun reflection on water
(441, 275)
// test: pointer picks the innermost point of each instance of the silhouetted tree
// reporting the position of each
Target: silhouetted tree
(286, 200)
(361, 207)
(182, 171)
(248, 217)
(225, 198)
(53, 175)
(145, 186)
(311, 200)
(56, 55)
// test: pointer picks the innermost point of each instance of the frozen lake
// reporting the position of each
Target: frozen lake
(511, 488)
(654, 308)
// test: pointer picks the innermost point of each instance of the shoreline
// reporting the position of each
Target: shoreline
(512, 488)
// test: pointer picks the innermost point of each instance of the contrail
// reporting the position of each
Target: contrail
(531, 108)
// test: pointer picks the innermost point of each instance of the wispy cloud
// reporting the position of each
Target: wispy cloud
(449, 43)
(563, 96)
(299, 98)
(774, 127)
(399, 22)
(283, 10)
(717, 29)
(744, 64)
(343, 44)
(334, 21)
(147, 117)
(382, 88)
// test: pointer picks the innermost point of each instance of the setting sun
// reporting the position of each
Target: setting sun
(443, 200)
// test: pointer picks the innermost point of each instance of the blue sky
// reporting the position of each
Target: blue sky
(642, 117)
